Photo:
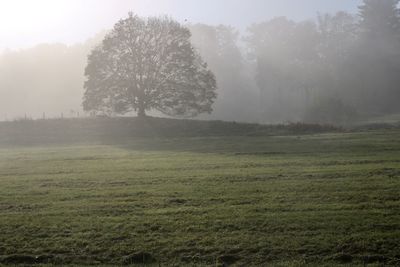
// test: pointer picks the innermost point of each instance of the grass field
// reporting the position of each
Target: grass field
(322, 199)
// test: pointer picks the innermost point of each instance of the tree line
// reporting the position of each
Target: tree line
(338, 68)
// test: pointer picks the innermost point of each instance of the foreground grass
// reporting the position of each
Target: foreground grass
(287, 201)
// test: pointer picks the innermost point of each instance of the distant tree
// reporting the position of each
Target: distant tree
(377, 58)
(380, 18)
(146, 64)
(285, 53)
(338, 36)
(219, 46)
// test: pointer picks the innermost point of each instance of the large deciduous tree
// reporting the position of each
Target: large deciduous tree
(148, 64)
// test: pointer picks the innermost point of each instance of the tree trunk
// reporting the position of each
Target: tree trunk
(141, 109)
(141, 104)
(141, 112)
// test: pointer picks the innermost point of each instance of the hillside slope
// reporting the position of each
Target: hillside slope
(111, 130)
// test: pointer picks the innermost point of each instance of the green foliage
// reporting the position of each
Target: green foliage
(314, 200)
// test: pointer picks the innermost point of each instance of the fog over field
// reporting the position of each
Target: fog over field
(200, 133)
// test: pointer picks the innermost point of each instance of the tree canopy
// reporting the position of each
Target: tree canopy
(146, 64)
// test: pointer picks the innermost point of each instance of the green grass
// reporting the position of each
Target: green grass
(317, 200)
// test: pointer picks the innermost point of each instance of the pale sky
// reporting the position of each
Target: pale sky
(25, 23)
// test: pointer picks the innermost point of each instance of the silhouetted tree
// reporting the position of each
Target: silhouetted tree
(145, 64)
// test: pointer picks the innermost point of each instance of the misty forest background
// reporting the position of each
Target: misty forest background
(337, 68)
